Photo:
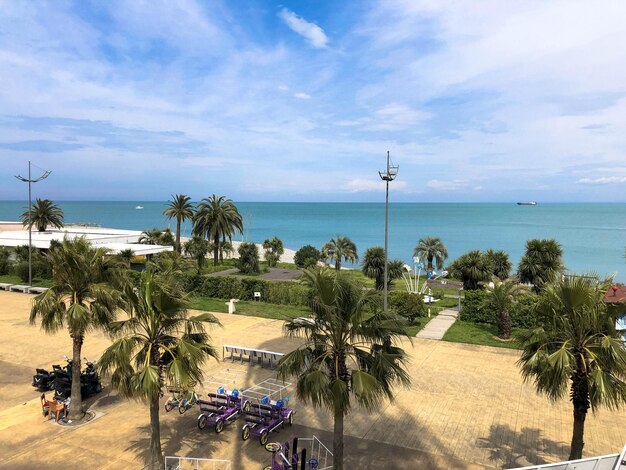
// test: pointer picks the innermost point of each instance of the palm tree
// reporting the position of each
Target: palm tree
(503, 296)
(157, 237)
(197, 248)
(340, 248)
(542, 262)
(472, 268)
(80, 298)
(159, 343)
(273, 250)
(43, 212)
(577, 350)
(374, 267)
(431, 248)
(180, 208)
(501, 265)
(217, 219)
(126, 256)
(348, 354)
(226, 248)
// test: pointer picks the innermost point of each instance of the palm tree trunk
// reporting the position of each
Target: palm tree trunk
(178, 235)
(338, 264)
(430, 262)
(504, 324)
(216, 249)
(338, 441)
(76, 403)
(156, 455)
(580, 400)
(576, 449)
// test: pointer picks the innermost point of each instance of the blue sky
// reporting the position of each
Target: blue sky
(299, 101)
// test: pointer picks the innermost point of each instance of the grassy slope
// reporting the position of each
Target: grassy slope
(478, 333)
(250, 308)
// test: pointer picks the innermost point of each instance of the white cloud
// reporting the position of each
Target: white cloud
(370, 185)
(302, 96)
(310, 31)
(441, 185)
(604, 180)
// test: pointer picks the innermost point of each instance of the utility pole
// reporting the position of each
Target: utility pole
(29, 180)
(388, 175)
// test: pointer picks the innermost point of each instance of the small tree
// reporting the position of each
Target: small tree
(307, 257)
(338, 249)
(197, 248)
(503, 296)
(407, 305)
(181, 209)
(577, 350)
(273, 250)
(248, 258)
(374, 267)
(542, 263)
(473, 268)
(431, 248)
(500, 263)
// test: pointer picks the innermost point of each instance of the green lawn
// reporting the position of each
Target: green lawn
(478, 333)
(12, 279)
(251, 308)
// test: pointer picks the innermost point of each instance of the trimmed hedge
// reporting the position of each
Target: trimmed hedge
(478, 308)
(228, 287)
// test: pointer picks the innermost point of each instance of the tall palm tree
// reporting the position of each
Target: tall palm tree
(374, 267)
(577, 350)
(81, 299)
(273, 250)
(159, 343)
(501, 265)
(181, 209)
(340, 248)
(542, 262)
(473, 268)
(348, 355)
(431, 248)
(217, 219)
(43, 212)
(197, 248)
(503, 296)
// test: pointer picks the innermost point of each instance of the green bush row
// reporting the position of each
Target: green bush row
(227, 287)
(478, 307)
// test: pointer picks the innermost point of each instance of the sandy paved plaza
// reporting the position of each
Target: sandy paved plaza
(467, 408)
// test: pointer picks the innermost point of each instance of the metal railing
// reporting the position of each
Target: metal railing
(317, 450)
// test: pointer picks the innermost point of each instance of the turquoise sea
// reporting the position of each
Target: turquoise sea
(593, 235)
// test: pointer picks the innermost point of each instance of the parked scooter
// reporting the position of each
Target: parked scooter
(89, 381)
(43, 380)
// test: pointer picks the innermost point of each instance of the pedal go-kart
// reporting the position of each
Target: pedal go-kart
(221, 409)
(266, 417)
(181, 399)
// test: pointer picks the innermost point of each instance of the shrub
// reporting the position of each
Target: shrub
(21, 269)
(523, 313)
(273, 250)
(476, 308)
(407, 305)
(248, 262)
(288, 293)
(250, 286)
(4, 261)
(307, 257)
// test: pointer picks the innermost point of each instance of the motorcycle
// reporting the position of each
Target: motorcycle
(43, 380)
(89, 381)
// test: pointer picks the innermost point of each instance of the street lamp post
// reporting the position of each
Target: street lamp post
(388, 175)
(29, 180)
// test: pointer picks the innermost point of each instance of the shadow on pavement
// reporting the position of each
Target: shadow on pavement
(509, 448)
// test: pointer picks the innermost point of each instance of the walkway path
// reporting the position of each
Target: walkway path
(437, 327)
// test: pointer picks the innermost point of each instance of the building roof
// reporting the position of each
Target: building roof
(616, 294)
(112, 239)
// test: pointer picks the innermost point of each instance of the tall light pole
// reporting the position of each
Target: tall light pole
(29, 180)
(388, 175)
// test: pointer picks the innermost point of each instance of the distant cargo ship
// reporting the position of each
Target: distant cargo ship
(529, 203)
